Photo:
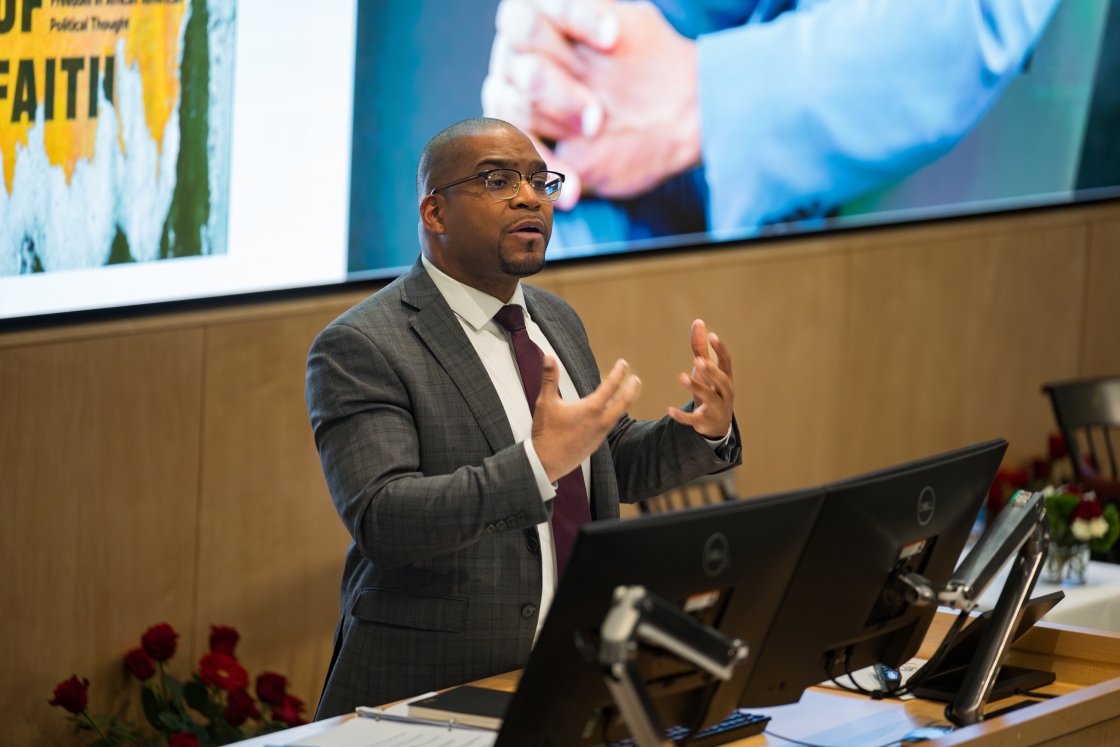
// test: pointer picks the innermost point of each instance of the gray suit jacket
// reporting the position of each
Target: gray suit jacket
(443, 577)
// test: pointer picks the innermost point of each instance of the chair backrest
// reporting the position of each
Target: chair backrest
(1087, 412)
(699, 492)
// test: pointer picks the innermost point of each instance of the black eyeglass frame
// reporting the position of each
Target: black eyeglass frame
(521, 177)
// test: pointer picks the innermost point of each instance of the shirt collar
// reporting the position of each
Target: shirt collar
(471, 304)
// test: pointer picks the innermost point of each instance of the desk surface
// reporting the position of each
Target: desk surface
(1096, 604)
(1087, 663)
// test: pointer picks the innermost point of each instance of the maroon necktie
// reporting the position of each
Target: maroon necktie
(570, 507)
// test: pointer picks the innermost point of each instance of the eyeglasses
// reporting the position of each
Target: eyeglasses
(504, 184)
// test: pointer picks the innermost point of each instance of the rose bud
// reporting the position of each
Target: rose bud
(272, 687)
(183, 739)
(140, 664)
(160, 641)
(223, 638)
(288, 711)
(1057, 446)
(240, 707)
(71, 694)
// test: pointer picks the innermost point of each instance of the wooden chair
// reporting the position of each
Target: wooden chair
(702, 491)
(1088, 412)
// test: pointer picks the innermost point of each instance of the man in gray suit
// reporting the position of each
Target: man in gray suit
(465, 433)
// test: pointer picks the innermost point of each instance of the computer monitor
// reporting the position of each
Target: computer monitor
(728, 564)
(844, 608)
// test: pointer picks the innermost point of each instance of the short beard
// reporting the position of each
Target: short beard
(520, 268)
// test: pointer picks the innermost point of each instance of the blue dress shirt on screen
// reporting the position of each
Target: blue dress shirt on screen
(822, 104)
(806, 105)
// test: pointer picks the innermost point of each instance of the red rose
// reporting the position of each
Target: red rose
(272, 688)
(1087, 510)
(159, 641)
(183, 739)
(71, 694)
(140, 664)
(240, 706)
(1017, 477)
(288, 711)
(1040, 469)
(223, 638)
(1057, 446)
(222, 670)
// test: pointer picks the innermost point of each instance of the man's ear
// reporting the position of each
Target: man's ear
(431, 214)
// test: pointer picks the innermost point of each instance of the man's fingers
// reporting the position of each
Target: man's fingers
(609, 386)
(530, 30)
(501, 100)
(723, 353)
(593, 22)
(627, 395)
(699, 339)
(713, 376)
(686, 418)
(550, 381)
(701, 392)
(556, 94)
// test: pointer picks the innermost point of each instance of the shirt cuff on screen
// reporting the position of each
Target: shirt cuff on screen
(548, 489)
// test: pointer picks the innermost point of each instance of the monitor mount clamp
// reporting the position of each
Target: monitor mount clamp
(637, 616)
(1021, 530)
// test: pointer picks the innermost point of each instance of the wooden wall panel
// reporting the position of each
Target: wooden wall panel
(1101, 342)
(271, 546)
(950, 340)
(785, 345)
(98, 499)
(162, 467)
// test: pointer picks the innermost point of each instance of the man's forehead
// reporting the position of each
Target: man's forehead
(502, 149)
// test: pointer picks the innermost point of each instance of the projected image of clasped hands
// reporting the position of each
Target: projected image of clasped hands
(613, 85)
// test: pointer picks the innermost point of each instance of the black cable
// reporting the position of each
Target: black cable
(931, 666)
(1033, 694)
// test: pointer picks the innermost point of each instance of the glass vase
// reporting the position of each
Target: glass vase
(1067, 565)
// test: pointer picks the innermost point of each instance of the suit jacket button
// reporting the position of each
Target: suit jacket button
(528, 611)
(501, 526)
(521, 516)
(511, 522)
(490, 529)
(532, 544)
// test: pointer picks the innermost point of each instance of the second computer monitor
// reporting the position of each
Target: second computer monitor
(844, 608)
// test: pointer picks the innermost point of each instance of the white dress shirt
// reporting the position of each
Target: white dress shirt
(494, 345)
(475, 311)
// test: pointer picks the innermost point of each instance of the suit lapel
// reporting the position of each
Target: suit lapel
(562, 341)
(437, 326)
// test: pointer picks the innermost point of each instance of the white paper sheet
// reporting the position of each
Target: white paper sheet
(366, 732)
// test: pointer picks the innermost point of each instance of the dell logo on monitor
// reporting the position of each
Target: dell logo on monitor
(717, 555)
(927, 502)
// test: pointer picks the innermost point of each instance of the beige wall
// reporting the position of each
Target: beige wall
(162, 469)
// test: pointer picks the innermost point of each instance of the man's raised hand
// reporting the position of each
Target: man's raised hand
(566, 433)
(712, 386)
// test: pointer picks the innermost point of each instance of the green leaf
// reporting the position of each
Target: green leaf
(1060, 533)
(152, 708)
(197, 697)
(172, 722)
(200, 732)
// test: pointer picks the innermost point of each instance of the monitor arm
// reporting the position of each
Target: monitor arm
(639, 616)
(1020, 529)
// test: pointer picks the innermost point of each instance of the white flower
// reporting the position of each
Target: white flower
(1099, 527)
(1082, 530)
(1049, 491)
